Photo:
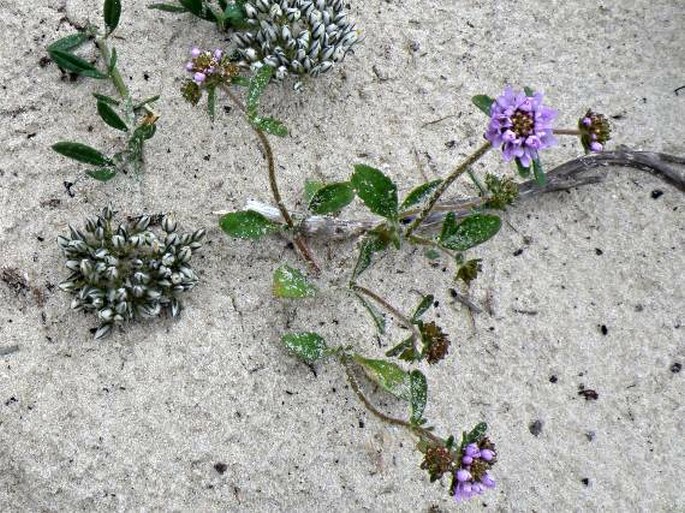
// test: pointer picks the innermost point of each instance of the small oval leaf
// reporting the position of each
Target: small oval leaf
(308, 346)
(255, 90)
(420, 193)
(81, 153)
(331, 198)
(68, 42)
(271, 126)
(389, 376)
(424, 305)
(483, 102)
(75, 64)
(103, 174)
(247, 224)
(419, 395)
(475, 435)
(112, 13)
(292, 283)
(372, 243)
(376, 190)
(110, 117)
(472, 231)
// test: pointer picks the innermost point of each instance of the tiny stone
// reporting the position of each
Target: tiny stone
(656, 193)
(518, 252)
(585, 481)
(220, 467)
(676, 367)
(603, 328)
(553, 379)
(590, 435)
(535, 427)
(599, 252)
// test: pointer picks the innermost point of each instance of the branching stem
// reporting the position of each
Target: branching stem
(444, 185)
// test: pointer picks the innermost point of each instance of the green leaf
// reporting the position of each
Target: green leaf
(247, 224)
(483, 102)
(292, 283)
(308, 346)
(376, 190)
(145, 131)
(211, 101)
(529, 92)
(255, 90)
(310, 188)
(377, 317)
(420, 193)
(424, 305)
(106, 99)
(388, 375)
(524, 172)
(167, 7)
(75, 64)
(432, 254)
(475, 435)
(473, 230)
(68, 42)
(271, 126)
(539, 173)
(240, 81)
(331, 198)
(81, 152)
(405, 350)
(193, 6)
(372, 243)
(112, 12)
(102, 174)
(235, 15)
(110, 117)
(419, 395)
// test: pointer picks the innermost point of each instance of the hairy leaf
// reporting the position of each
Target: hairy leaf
(376, 190)
(424, 305)
(419, 395)
(420, 194)
(473, 230)
(68, 42)
(255, 90)
(102, 174)
(475, 435)
(388, 375)
(247, 224)
(292, 283)
(308, 346)
(372, 243)
(271, 126)
(331, 198)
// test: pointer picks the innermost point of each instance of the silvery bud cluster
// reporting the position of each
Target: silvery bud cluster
(302, 37)
(128, 271)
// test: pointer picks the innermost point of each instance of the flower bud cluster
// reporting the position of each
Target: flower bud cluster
(128, 272)
(595, 131)
(471, 478)
(435, 342)
(302, 37)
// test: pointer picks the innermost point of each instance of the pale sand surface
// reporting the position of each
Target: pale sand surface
(137, 422)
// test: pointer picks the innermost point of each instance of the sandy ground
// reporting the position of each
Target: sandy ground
(138, 422)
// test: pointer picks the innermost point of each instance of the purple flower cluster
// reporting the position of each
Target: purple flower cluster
(595, 131)
(472, 478)
(206, 64)
(520, 125)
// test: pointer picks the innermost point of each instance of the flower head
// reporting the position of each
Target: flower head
(520, 125)
(471, 478)
(435, 342)
(595, 131)
(210, 67)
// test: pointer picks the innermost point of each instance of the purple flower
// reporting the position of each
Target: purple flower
(521, 125)
(595, 131)
(472, 477)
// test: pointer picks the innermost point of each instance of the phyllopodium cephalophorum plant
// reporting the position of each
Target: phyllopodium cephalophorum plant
(127, 272)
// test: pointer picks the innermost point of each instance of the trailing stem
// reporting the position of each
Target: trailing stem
(444, 185)
(419, 431)
(416, 335)
(298, 239)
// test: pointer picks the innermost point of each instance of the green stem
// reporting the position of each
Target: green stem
(354, 384)
(444, 185)
(114, 74)
(415, 333)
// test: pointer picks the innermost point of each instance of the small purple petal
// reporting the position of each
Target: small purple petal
(467, 460)
(189, 66)
(471, 450)
(195, 52)
(463, 475)
(218, 54)
(199, 77)
(487, 454)
(586, 121)
(487, 481)
(596, 147)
